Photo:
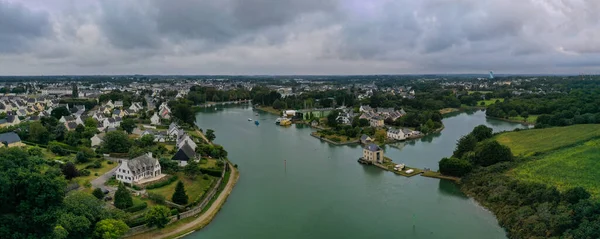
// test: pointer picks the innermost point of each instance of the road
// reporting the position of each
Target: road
(203, 219)
(99, 182)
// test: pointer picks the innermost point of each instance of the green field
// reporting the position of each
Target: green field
(480, 91)
(566, 168)
(194, 188)
(528, 142)
(490, 101)
(531, 119)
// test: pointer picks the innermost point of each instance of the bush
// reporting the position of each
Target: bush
(95, 174)
(454, 166)
(110, 162)
(98, 193)
(174, 212)
(162, 183)
(136, 222)
(84, 172)
(137, 207)
(205, 177)
(157, 198)
(97, 164)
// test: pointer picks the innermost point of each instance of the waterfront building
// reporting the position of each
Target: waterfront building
(373, 153)
(143, 167)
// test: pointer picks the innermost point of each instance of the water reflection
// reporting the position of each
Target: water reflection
(449, 188)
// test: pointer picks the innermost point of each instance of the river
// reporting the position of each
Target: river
(295, 186)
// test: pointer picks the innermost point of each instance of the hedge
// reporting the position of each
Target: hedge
(162, 183)
(136, 221)
(137, 207)
(211, 172)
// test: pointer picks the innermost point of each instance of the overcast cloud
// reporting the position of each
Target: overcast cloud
(49, 37)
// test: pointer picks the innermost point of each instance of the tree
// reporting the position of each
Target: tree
(363, 122)
(59, 112)
(60, 132)
(179, 196)
(38, 133)
(454, 167)
(75, 91)
(147, 140)
(332, 118)
(123, 197)
(90, 122)
(465, 144)
(277, 104)
(60, 232)
(192, 169)
(76, 225)
(210, 135)
(80, 129)
(116, 141)
(70, 171)
(110, 229)
(491, 152)
(482, 132)
(574, 195)
(128, 125)
(98, 193)
(158, 216)
(380, 135)
(81, 157)
(525, 115)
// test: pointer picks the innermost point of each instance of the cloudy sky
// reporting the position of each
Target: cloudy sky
(57, 37)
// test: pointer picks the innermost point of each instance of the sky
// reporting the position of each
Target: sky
(287, 37)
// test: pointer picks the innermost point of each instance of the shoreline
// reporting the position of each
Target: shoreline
(313, 134)
(200, 220)
(512, 121)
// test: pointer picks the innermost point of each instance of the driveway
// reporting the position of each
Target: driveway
(99, 182)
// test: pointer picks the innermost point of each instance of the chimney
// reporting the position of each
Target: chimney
(149, 154)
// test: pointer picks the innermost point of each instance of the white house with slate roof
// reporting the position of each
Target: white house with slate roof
(155, 120)
(142, 167)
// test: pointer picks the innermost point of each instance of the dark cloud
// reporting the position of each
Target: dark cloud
(19, 25)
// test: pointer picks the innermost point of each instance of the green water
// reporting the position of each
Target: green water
(295, 186)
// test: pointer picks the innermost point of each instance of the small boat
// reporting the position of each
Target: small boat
(256, 122)
(278, 120)
(285, 122)
(249, 119)
(256, 114)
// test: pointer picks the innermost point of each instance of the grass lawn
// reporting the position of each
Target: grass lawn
(490, 101)
(168, 146)
(84, 179)
(448, 110)
(337, 138)
(194, 188)
(531, 119)
(528, 142)
(208, 163)
(566, 168)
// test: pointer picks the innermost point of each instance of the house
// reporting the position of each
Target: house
(142, 167)
(78, 120)
(185, 139)
(408, 133)
(136, 106)
(101, 126)
(71, 125)
(184, 154)
(155, 120)
(98, 117)
(21, 112)
(80, 107)
(118, 113)
(109, 104)
(118, 104)
(66, 119)
(314, 123)
(173, 130)
(96, 140)
(10, 121)
(342, 119)
(376, 122)
(365, 139)
(373, 153)
(10, 139)
(365, 108)
(396, 134)
(165, 112)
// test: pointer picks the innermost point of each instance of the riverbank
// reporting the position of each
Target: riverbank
(269, 110)
(511, 120)
(191, 224)
(433, 174)
(344, 142)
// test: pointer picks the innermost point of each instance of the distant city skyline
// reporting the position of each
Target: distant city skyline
(290, 37)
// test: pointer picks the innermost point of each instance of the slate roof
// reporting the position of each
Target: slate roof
(71, 125)
(141, 164)
(10, 118)
(185, 153)
(9, 138)
(364, 137)
(373, 147)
